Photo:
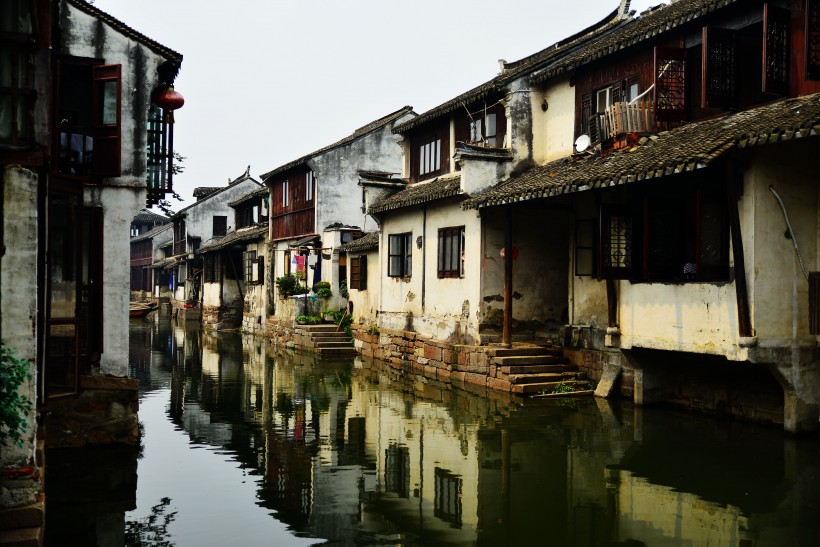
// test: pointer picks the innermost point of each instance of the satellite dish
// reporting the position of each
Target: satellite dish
(582, 143)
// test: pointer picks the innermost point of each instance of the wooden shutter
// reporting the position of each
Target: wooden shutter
(260, 270)
(718, 82)
(358, 273)
(814, 302)
(775, 50)
(362, 273)
(106, 109)
(670, 84)
(813, 39)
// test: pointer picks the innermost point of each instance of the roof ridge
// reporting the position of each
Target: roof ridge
(125, 29)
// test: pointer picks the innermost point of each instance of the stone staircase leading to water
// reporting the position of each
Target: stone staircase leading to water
(533, 370)
(326, 340)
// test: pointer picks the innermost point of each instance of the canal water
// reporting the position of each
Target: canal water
(243, 446)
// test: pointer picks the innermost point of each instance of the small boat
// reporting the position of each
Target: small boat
(141, 310)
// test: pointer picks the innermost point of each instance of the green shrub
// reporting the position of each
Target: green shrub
(14, 408)
(286, 284)
(343, 290)
(307, 319)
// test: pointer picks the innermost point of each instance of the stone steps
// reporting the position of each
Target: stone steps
(534, 369)
(525, 351)
(529, 360)
(538, 387)
(329, 340)
(556, 377)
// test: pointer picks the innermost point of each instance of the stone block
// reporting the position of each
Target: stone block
(498, 384)
(475, 379)
(432, 352)
(28, 516)
(444, 374)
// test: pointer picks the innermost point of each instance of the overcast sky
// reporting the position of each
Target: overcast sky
(267, 81)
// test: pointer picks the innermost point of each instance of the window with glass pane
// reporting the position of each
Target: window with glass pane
(399, 255)
(250, 266)
(451, 252)
(285, 193)
(490, 136)
(310, 184)
(430, 157)
(16, 95)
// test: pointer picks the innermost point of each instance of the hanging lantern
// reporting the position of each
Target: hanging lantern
(169, 100)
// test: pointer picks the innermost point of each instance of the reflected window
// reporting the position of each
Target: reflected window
(397, 470)
(448, 489)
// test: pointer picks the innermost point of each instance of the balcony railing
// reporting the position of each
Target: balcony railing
(621, 118)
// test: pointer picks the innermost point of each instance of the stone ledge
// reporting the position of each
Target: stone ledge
(117, 383)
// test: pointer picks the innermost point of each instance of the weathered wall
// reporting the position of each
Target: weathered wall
(338, 195)
(539, 272)
(446, 309)
(553, 130)
(199, 217)
(119, 206)
(256, 296)
(366, 302)
(85, 36)
(18, 297)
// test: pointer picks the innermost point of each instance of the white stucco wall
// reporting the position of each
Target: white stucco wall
(451, 305)
(553, 130)
(338, 195)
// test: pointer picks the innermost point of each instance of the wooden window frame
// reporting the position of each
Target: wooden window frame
(812, 40)
(430, 158)
(670, 100)
(451, 238)
(776, 50)
(220, 226)
(693, 215)
(285, 194)
(400, 247)
(250, 263)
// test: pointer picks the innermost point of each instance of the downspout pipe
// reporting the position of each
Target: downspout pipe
(791, 231)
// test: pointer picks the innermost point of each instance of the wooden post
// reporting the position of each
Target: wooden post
(508, 270)
(611, 303)
(743, 318)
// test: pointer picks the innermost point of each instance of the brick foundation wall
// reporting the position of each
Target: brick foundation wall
(105, 412)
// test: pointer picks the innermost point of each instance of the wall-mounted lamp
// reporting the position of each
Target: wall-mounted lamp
(418, 242)
(545, 105)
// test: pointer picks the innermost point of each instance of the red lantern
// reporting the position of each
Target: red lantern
(169, 99)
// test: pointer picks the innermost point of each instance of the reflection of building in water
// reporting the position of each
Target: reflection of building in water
(357, 454)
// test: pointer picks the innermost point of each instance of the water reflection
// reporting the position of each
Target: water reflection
(257, 448)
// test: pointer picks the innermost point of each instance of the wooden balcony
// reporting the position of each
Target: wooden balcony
(180, 246)
(624, 117)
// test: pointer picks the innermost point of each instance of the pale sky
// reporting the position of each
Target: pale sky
(267, 81)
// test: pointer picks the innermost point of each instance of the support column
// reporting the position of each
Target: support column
(508, 272)
(801, 395)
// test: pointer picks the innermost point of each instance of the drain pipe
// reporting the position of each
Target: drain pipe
(791, 231)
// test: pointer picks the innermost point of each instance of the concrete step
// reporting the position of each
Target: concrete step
(535, 369)
(536, 378)
(529, 360)
(29, 516)
(529, 389)
(525, 351)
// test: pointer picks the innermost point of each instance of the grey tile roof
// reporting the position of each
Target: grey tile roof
(645, 27)
(360, 132)
(686, 148)
(121, 27)
(243, 234)
(421, 192)
(218, 190)
(151, 233)
(149, 216)
(261, 192)
(368, 242)
(202, 191)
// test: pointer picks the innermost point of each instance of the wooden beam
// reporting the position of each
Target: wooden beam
(743, 317)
